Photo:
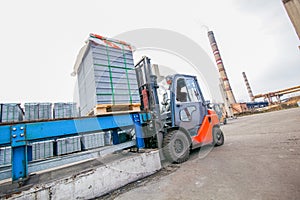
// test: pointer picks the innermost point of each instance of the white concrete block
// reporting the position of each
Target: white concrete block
(97, 181)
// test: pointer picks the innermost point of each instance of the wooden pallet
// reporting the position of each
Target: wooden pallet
(102, 109)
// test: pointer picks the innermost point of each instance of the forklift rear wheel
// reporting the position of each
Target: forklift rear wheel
(176, 146)
(218, 136)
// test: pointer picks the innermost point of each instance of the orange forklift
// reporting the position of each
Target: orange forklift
(182, 120)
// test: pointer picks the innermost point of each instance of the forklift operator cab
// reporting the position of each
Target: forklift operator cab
(188, 103)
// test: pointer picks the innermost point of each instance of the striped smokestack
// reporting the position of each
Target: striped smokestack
(248, 87)
(221, 68)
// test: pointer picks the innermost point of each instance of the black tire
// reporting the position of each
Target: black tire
(176, 146)
(225, 121)
(218, 136)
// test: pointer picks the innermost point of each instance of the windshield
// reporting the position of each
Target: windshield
(163, 95)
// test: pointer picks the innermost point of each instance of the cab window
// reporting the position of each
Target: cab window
(181, 91)
(192, 90)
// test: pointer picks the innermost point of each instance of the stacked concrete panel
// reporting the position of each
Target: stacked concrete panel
(45, 110)
(11, 112)
(42, 150)
(68, 145)
(65, 110)
(31, 111)
(5, 156)
(106, 74)
(93, 140)
(38, 111)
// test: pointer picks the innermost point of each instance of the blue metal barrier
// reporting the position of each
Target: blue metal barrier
(18, 135)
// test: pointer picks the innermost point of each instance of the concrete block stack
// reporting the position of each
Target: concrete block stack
(93, 140)
(5, 155)
(68, 145)
(65, 110)
(38, 111)
(106, 74)
(42, 150)
(10, 112)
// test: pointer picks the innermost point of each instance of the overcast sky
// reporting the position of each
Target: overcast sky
(39, 40)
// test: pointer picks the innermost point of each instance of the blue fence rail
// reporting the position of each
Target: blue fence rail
(19, 135)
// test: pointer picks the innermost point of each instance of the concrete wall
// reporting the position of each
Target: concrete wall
(97, 181)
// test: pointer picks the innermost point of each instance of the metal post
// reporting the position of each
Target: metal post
(115, 137)
(138, 131)
(19, 153)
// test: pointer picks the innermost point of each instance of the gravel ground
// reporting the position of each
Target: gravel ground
(259, 160)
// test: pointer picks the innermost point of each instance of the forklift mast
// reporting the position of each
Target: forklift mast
(147, 83)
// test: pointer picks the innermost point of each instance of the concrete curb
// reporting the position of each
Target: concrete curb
(97, 181)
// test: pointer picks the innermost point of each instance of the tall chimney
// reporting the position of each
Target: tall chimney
(228, 108)
(248, 87)
(221, 68)
(293, 10)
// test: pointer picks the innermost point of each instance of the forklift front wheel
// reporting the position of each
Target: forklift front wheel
(218, 136)
(176, 146)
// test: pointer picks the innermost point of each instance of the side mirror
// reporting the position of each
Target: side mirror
(208, 104)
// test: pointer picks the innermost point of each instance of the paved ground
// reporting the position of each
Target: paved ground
(259, 160)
